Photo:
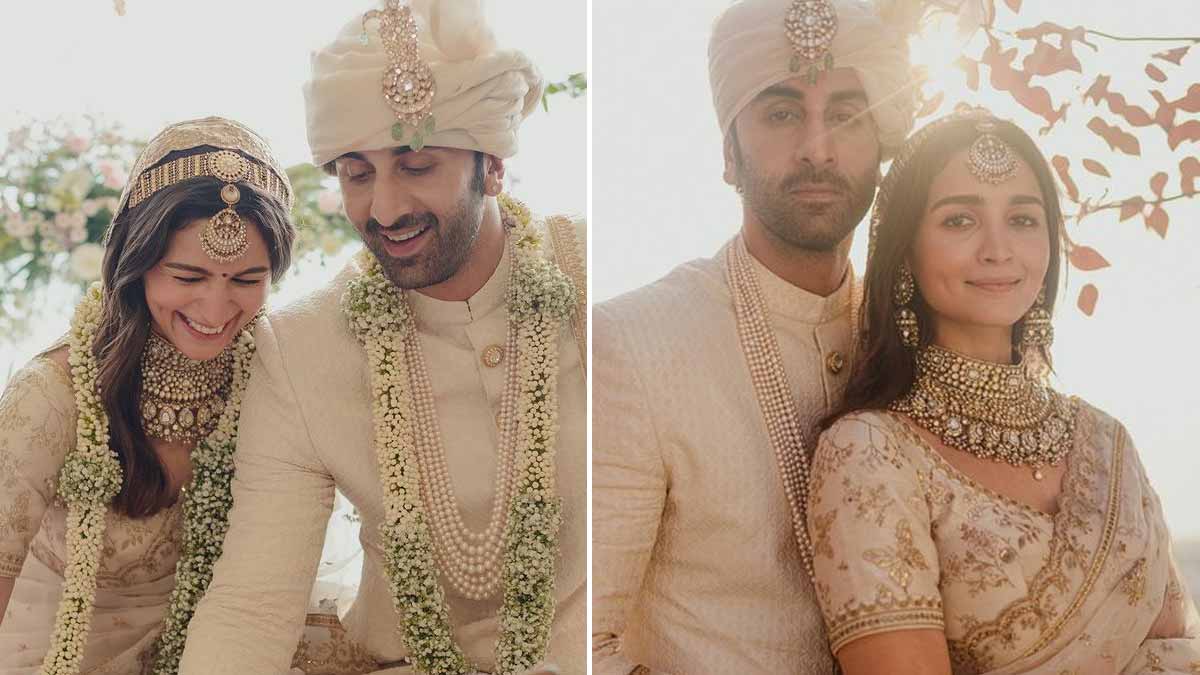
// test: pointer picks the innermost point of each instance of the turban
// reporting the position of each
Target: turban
(483, 93)
(749, 51)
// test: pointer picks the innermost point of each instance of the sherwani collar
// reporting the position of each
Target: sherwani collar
(433, 313)
(784, 298)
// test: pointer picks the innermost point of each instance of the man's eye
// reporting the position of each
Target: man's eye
(782, 116)
(358, 177)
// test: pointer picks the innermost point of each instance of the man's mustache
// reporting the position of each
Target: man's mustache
(824, 177)
(405, 221)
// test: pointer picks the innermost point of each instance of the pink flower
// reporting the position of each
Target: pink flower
(77, 144)
(90, 207)
(329, 202)
(18, 227)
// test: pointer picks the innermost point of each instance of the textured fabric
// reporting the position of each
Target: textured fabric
(307, 425)
(483, 93)
(695, 565)
(904, 540)
(749, 51)
(137, 568)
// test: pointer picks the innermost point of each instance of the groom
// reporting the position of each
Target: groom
(452, 418)
(710, 381)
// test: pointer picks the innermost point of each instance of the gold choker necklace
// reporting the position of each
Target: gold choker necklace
(181, 398)
(993, 411)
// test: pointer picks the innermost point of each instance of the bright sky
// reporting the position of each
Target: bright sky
(658, 200)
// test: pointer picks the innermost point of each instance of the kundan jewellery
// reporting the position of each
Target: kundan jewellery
(989, 158)
(91, 478)
(408, 83)
(181, 398)
(422, 531)
(811, 26)
(993, 411)
(775, 399)
(906, 319)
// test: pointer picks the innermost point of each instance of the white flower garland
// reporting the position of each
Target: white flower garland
(540, 298)
(91, 478)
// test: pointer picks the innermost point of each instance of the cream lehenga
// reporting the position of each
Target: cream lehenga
(904, 540)
(120, 604)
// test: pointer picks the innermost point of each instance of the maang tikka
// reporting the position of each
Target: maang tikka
(906, 319)
(989, 158)
(408, 84)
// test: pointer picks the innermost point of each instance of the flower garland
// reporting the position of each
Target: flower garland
(540, 297)
(91, 478)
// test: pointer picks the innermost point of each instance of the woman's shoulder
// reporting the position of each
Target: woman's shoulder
(870, 439)
(46, 376)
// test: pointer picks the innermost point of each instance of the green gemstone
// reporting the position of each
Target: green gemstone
(397, 132)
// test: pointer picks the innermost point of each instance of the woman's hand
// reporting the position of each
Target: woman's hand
(902, 652)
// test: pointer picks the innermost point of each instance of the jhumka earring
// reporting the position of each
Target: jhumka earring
(1038, 332)
(906, 319)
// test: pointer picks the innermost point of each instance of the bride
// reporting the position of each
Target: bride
(964, 517)
(103, 553)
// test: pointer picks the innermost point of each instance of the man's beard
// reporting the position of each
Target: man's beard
(808, 225)
(440, 258)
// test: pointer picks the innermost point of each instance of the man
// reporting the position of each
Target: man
(710, 382)
(399, 382)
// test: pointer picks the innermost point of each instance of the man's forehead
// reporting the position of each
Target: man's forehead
(839, 84)
(375, 155)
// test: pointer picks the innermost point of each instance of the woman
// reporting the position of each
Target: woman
(963, 516)
(103, 550)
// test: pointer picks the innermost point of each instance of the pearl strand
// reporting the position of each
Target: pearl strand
(471, 561)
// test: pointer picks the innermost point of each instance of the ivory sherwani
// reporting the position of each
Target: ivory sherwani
(695, 565)
(307, 426)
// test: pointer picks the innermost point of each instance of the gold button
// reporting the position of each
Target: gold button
(1007, 555)
(493, 356)
(835, 362)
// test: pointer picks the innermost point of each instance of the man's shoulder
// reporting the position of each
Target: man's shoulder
(686, 292)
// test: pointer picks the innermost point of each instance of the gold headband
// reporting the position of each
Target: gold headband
(224, 238)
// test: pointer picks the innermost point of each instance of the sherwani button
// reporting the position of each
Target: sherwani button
(492, 356)
(835, 362)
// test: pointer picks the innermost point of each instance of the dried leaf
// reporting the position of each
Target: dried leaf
(1158, 220)
(1016, 82)
(1155, 74)
(1046, 28)
(1086, 258)
(931, 105)
(1191, 100)
(1188, 131)
(1096, 168)
(970, 68)
(1133, 114)
(1046, 60)
(1189, 170)
(1157, 182)
(1132, 207)
(1062, 167)
(1088, 296)
(1116, 138)
(1174, 55)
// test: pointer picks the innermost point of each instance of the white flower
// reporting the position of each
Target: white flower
(329, 202)
(331, 243)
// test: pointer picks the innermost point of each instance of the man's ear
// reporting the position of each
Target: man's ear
(493, 175)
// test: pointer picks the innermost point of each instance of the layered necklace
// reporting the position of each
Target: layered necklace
(422, 531)
(191, 400)
(994, 411)
(775, 399)
(181, 398)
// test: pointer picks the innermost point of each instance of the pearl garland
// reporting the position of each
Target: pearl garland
(769, 379)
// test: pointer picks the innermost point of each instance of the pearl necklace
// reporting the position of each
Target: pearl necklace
(769, 378)
(470, 560)
(991, 410)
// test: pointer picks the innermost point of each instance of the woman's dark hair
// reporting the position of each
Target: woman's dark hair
(886, 371)
(139, 239)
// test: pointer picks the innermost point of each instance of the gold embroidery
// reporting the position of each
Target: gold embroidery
(821, 525)
(982, 567)
(563, 240)
(900, 561)
(869, 504)
(887, 613)
(337, 655)
(1133, 584)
